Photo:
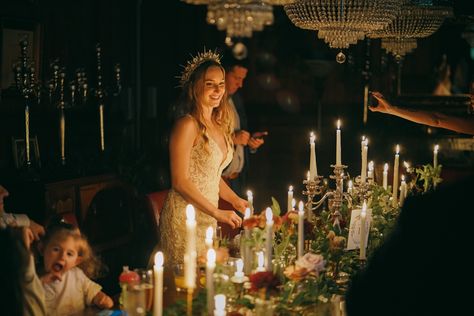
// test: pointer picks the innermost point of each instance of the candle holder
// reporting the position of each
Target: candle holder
(26, 83)
(362, 189)
(334, 197)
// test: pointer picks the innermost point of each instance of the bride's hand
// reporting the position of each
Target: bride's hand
(383, 105)
(228, 217)
(240, 205)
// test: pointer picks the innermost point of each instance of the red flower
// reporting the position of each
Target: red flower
(264, 280)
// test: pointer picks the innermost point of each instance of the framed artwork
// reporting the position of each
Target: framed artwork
(19, 152)
(12, 31)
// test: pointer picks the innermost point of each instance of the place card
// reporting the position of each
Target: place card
(354, 239)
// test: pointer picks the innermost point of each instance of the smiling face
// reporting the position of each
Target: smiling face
(235, 79)
(61, 254)
(214, 87)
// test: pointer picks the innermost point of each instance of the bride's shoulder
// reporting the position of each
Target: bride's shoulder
(186, 123)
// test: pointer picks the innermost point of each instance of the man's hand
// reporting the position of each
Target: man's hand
(256, 140)
(241, 137)
(36, 229)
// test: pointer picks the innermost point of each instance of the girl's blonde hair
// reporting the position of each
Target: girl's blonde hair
(89, 263)
(193, 93)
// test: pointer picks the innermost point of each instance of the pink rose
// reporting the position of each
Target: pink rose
(311, 262)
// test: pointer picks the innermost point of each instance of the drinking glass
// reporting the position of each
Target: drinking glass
(146, 284)
(178, 270)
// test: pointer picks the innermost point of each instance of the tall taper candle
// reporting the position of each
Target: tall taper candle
(190, 254)
(364, 149)
(313, 168)
(248, 256)
(300, 229)
(435, 155)
(395, 178)
(363, 214)
(403, 191)
(385, 176)
(210, 266)
(338, 143)
(370, 172)
(290, 199)
(158, 286)
(269, 239)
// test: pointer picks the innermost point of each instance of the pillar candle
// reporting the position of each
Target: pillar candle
(269, 239)
(370, 173)
(403, 190)
(385, 176)
(313, 169)
(208, 241)
(158, 286)
(300, 229)
(190, 250)
(338, 143)
(210, 266)
(435, 155)
(250, 200)
(290, 198)
(220, 303)
(364, 150)
(239, 276)
(363, 215)
(395, 178)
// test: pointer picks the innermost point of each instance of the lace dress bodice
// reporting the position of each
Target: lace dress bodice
(205, 169)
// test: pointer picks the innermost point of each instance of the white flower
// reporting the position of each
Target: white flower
(311, 262)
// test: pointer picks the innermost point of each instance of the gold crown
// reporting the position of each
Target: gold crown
(195, 62)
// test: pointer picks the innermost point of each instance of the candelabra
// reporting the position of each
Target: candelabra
(334, 197)
(27, 84)
(362, 188)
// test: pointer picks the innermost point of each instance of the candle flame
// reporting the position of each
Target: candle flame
(211, 256)
(239, 265)
(247, 213)
(159, 259)
(190, 213)
(249, 194)
(363, 138)
(436, 148)
(269, 215)
(312, 138)
(397, 149)
(403, 177)
(338, 124)
(301, 206)
(219, 301)
(371, 165)
(349, 184)
(293, 202)
(209, 232)
(290, 188)
(385, 167)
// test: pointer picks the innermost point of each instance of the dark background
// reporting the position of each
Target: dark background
(294, 86)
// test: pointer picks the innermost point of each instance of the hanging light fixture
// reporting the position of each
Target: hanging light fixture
(413, 22)
(341, 23)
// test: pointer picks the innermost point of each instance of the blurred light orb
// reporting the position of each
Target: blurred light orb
(288, 101)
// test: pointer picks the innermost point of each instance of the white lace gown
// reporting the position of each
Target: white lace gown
(205, 170)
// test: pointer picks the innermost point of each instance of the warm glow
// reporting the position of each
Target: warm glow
(209, 232)
(247, 213)
(436, 148)
(397, 149)
(260, 259)
(249, 194)
(338, 124)
(190, 213)
(239, 265)
(211, 257)
(371, 166)
(301, 206)
(293, 203)
(290, 189)
(403, 177)
(159, 259)
(312, 138)
(269, 215)
(385, 167)
(219, 301)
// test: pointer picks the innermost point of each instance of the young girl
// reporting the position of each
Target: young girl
(68, 261)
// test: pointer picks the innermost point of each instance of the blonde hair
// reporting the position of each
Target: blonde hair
(89, 263)
(193, 94)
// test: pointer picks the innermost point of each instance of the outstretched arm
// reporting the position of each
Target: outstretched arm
(182, 139)
(226, 193)
(435, 119)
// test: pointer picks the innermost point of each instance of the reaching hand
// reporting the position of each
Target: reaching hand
(36, 229)
(51, 277)
(241, 137)
(240, 205)
(383, 105)
(28, 237)
(228, 217)
(103, 301)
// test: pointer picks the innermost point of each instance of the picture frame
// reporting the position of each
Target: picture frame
(19, 152)
(12, 31)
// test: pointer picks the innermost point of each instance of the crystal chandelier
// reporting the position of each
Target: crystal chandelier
(413, 22)
(341, 23)
(239, 20)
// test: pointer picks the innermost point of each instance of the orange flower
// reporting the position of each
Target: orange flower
(295, 273)
(251, 222)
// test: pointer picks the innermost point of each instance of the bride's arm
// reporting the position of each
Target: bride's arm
(226, 193)
(182, 139)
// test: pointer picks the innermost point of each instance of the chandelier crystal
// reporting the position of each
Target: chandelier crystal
(413, 22)
(341, 23)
